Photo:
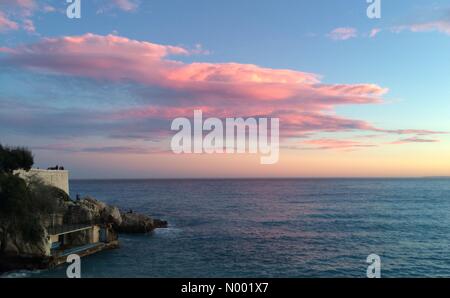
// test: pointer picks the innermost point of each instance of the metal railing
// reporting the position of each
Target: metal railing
(65, 229)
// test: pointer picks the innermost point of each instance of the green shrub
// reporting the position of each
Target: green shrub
(13, 195)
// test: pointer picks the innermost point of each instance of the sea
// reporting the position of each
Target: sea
(275, 228)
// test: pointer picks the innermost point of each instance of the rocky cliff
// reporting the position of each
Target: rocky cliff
(14, 245)
(138, 223)
(90, 210)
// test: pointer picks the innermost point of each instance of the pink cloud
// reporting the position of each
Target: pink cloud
(413, 140)
(22, 7)
(343, 33)
(26, 4)
(326, 144)
(419, 132)
(48, 8)
(100, 149)
(7, 24)
(21, 11)
(302, 102)
(28, 25)
(374, 32)
(119, 59)
(6, 50)
(126, 5)
(442, 26)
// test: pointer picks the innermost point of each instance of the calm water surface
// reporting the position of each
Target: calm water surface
(276, 228)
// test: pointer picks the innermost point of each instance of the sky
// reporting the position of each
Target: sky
(356, 97)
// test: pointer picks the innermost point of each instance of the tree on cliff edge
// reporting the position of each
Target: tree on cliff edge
(13, 189)
(15, 158)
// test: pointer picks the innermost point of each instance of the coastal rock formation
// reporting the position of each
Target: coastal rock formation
(90, 210)
(111, 214)
(19, 250)
(87, 210)
(139, 223)
(160, 224)
(15, 244)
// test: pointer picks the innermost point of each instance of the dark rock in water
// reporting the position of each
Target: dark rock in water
(159, 224)
(139, 223)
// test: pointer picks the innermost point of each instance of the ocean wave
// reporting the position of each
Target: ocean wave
(169, 231)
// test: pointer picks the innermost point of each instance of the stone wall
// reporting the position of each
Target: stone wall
(56, 178)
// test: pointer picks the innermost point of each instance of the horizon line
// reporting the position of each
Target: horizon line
(265, 178)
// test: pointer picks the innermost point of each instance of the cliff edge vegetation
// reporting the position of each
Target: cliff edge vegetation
(22, 204)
